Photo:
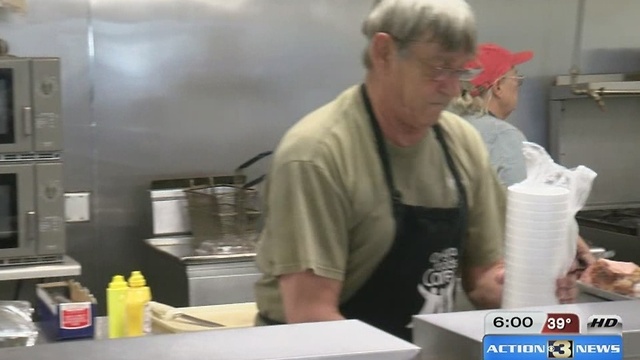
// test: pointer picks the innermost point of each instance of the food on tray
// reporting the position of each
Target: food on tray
(617, 276)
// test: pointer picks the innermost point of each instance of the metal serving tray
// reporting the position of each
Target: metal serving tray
(604, 294)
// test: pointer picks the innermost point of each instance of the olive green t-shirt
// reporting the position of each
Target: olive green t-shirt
(328, 209)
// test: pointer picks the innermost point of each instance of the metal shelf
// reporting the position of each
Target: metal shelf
(68, 267)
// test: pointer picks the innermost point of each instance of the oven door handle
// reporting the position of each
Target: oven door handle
(31, 226)
(27, 121)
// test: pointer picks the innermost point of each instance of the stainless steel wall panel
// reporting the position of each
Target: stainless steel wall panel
(196, 86)
(606, 142)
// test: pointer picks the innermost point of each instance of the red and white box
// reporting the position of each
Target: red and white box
(66, 310)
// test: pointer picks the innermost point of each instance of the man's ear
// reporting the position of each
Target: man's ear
(381, 50)
(496, 90)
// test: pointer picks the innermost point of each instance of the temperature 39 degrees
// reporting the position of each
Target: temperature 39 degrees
(558, 323)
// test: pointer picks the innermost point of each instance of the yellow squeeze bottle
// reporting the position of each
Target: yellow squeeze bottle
(116, 302)
(138, 312)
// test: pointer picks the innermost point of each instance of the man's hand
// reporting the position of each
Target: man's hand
(566, 287)
(484, 285)
(584, 255)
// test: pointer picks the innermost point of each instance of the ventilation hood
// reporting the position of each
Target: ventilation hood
(616, 82)
(598, 86)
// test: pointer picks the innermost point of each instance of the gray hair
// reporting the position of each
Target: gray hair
(467, 105)
(450, 23)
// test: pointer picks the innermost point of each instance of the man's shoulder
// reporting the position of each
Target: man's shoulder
(322, 129)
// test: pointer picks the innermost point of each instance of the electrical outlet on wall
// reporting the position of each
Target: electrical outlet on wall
(76, 206)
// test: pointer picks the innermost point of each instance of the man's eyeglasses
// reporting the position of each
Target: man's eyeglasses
(518, 78)
(438, 73)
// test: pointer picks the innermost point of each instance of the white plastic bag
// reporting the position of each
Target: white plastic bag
(16, 326)
(542, 170)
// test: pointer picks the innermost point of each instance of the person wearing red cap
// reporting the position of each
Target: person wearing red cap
(487, 101)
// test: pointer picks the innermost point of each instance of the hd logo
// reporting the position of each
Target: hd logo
(560, 349)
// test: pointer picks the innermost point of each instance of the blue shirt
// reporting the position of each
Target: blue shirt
(504, 142)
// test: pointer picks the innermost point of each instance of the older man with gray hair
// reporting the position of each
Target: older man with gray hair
(376, 201)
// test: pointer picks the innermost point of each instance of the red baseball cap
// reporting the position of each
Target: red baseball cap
(494, 61)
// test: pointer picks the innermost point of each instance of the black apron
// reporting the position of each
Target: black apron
(422, 261)
(418, 274)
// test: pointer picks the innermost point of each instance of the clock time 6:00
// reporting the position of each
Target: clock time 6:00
(514, 321)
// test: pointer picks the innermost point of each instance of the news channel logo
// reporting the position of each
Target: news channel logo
(560, 349)
(556, 346)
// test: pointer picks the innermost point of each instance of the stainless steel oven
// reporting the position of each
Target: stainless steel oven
(616, 229)
(32, 228)
(30, 105)
(606, 141)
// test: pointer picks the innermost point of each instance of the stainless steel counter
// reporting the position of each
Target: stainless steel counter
(179, 277)
(349, 339)
(459, 335)
(188, 279)
(181, 248)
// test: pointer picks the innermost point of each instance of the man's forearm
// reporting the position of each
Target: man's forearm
(308, 297)
(302, 314)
